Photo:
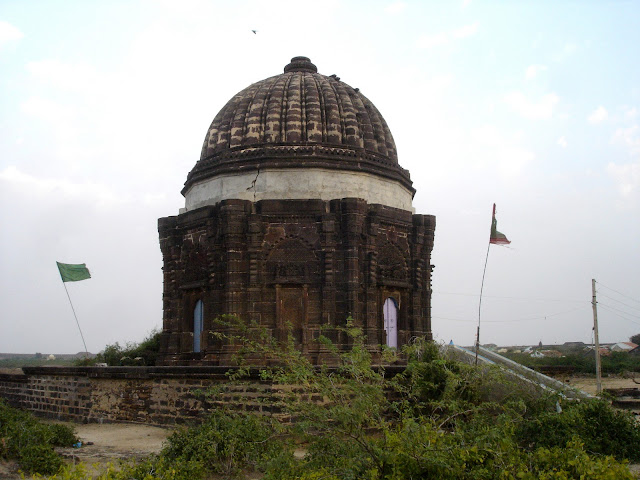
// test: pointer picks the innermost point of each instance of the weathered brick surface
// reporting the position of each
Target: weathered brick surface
(284, 258)
(154, 395)
(304, 264)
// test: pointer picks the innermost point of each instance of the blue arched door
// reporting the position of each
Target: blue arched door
(390, 310)
(198, 314)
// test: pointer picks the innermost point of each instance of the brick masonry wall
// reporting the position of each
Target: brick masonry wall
(153, 395)
(299, 264)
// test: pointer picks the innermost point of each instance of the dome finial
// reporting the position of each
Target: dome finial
(301, 64)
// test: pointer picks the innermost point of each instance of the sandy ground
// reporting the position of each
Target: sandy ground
(106, 443)
(115, 441)
(588, 384)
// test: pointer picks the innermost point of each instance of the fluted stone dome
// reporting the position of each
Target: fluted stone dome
(307, 135)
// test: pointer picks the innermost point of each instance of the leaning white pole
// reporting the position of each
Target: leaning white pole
(480, 303)
(596, 337)
(76, 317)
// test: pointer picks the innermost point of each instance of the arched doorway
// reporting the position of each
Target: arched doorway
(198, 314)
(390, 310)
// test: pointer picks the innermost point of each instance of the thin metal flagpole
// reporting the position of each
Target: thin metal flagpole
(480, 303)
(86, 354)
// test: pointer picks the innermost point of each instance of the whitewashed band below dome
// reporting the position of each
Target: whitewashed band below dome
(295, 184)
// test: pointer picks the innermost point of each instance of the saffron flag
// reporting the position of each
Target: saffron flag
(496, 237)
(73, 272)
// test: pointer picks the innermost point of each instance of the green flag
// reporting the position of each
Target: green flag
(73, 272)
(496, 237)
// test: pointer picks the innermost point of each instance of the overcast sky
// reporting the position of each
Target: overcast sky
(533, 105)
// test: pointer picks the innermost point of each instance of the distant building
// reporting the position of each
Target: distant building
(546, 354)
(590, 350)
(623, 347)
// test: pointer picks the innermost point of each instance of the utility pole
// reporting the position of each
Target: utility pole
(595, 336)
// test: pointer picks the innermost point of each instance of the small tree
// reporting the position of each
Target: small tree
(147, 351)
(635, 339)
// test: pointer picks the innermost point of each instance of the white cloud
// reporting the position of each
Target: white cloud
(629, 137)
(465, 31)
(566, 51)
(66, 75)
(599, 115)
(630, 113)
(47, 110)
(501, 151)
(9, 33)
(536, 110)
(61, 187)
(627, 176)
(396, 7)
(562, 142)
(430, 41)
(533, 71)
(443, 38)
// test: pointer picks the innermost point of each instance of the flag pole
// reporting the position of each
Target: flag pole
(77, 323)
(499, 239)
(480, 303)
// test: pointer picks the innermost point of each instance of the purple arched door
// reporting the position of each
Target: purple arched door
(390, 310)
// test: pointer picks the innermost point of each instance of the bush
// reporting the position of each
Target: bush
(439, 419)
(226, 443)
(25, 439)
(39, 458)
(602, 429)
(147, 350)
(616, 363)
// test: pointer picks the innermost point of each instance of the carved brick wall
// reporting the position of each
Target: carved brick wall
(299, 264)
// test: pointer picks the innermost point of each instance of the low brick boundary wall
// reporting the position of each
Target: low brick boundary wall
(154, 395)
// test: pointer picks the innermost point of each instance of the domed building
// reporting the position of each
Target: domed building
(297, 216)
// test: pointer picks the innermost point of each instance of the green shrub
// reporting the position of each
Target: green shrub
(150, 468)
(602, 429)
(616, 363)
(39, 458)
(61, 435)
(227, 442)
(439, 419)
(30, 442)
(570, 462)
(147, 350)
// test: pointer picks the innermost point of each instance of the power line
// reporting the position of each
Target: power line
(619, 293)
(511, 298)
(527, 319)
(453, 319)
(536, 318)
(613, 310)
(615, 300)
(618, 310)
